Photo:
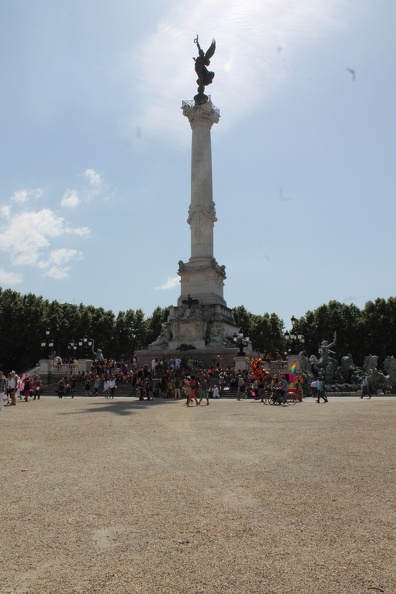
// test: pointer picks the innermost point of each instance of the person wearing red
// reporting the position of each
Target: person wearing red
(193, 385)
(37, 388)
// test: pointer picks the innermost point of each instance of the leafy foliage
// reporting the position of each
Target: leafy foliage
(359, 332)
(24, 320)
(266, 331)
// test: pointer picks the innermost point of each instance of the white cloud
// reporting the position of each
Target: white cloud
(58, 273)
(22, 196)
(248, 65)
(57, 263)
(9, 278)
(63, 255)
(93, 177)
(170, 283)
(5, 211)
(70, 199)
(27, 236)
(94, 186)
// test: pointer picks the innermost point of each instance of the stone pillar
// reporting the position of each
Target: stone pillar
(201, 276)
(202, 213)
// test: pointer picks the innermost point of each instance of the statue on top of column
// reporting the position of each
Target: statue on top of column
(205, 77)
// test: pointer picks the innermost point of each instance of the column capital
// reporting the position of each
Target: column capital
(204, 112)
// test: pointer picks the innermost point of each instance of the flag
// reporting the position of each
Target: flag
(293, 367)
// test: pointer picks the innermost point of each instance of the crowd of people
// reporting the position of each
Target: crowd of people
(14, 388)
(175, 378)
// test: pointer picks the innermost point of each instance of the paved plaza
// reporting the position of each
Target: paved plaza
(122, 496)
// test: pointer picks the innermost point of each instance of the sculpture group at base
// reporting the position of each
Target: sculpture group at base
(195, 325)
(345, 371)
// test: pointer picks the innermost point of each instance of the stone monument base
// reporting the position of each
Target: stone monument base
(195, 330)
(196, 325)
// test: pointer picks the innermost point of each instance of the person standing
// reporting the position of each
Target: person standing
(106, 388)
(241, 387)
(3, 384)
(365, 387)
(177, 388)
(61, 388)
(154, 365)
(321, 390)
(37, 388)
(96, 385)
(12, 387)
(149, 388)
(112, 386)
(314, 388)
(26, 387)
(193, 385)
(73, 384)
(87, 385)
(203, 390)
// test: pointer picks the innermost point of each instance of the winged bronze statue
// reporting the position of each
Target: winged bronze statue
(205, 77)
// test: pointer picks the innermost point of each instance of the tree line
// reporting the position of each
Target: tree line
(360, 332)
(26, 319)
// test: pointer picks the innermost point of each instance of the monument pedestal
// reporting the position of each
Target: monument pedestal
(196, 326)
(204, 279)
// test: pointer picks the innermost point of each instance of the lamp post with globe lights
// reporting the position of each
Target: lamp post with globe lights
(45, 364)
(294, 339)
(241, 342)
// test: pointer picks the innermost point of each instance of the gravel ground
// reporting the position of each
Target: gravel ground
(121, 496)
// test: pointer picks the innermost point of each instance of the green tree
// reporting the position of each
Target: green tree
(267, 333)
(153, 327)
(14, 337)
(379, 328)
(243, 319)
(337, 317)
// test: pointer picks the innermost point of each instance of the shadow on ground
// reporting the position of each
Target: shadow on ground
(119, 407)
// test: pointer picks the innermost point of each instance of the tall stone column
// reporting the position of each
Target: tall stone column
(201, 277)
(202, 213)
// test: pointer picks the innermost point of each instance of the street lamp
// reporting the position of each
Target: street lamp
(48, 342)
(87, 342)
(72, 346)
(295, 339)
(241, 342)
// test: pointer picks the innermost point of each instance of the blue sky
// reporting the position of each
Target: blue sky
(95, 151)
